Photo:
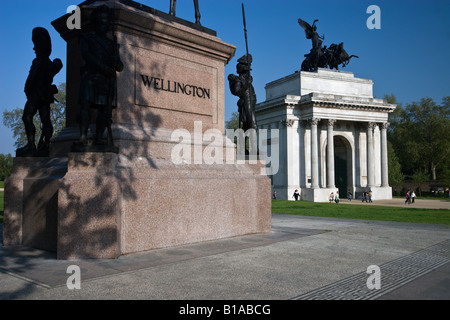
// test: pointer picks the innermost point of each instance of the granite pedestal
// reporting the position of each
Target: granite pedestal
(147, 196)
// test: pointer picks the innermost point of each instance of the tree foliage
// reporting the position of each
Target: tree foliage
(396, 176)
(6, 165)
(233, 123)
(418, 133)
(13, 119)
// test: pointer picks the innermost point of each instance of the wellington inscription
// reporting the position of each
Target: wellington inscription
(165, 82)
(175, 87)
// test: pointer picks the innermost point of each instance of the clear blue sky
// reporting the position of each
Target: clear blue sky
(408, 56)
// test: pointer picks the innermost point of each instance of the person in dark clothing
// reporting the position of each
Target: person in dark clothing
(296, 195)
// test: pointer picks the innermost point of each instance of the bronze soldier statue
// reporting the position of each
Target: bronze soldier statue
(173, 5)
(242, 87)
(40, 95)
(98, 85)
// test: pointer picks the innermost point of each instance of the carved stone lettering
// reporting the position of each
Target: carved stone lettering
(168, 83)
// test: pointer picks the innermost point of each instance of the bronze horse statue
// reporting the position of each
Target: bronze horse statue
(336, 55)
(319, 56)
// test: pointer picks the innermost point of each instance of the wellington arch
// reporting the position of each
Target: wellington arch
(332, 135)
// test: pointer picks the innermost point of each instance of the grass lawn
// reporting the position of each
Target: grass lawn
(362, 212)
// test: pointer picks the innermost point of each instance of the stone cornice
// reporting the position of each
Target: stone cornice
(326, 101)
(344, 102)
(278, 103)
(131, 18)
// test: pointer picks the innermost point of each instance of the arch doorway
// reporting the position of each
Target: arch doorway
(342, 165)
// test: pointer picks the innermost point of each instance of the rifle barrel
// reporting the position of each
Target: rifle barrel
(245, 28)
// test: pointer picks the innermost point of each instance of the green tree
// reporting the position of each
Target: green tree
(445, 174)
(6, 165)
(395, 117)
(420, 177)
(233, 123)
(396, 176)
(395, 170)
(13, 119)
(419, 136)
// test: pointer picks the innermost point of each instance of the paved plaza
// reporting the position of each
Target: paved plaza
(302, 258)
(400, 202)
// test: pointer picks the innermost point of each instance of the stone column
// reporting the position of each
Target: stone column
(292, 155)
(384, 155)
(314, 154)
(330, 154)
(356, 167)
(370, 155)
(302, 153)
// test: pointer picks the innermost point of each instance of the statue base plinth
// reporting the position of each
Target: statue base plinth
(103, 205)
(94, 148)
(153, 193)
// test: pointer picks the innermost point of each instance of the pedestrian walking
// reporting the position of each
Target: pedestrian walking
(336, 197)
(408, 197)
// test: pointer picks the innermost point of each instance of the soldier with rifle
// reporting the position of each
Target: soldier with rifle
(98, 85)
(242, 87)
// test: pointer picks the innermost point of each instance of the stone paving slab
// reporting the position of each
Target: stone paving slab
(398, 202)
(394, 273)
(301, 255)
(42, 268)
